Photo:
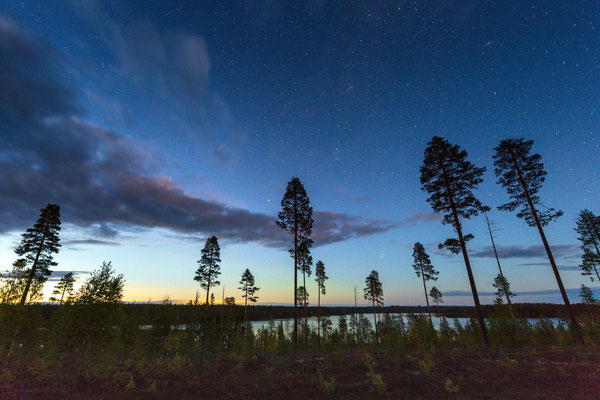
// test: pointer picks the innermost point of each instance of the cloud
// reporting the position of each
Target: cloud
(572, 293)
(89, 241)
(420, 217)
(547, 264)
(333, 227)
(56, 275)
(516, 251)
(102, 180)
(169, 70)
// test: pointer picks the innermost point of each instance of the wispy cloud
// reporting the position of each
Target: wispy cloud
(516, 251)
(89, 241)
(572, 293)
(102, 180)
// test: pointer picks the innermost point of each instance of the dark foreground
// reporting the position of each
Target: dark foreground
(455, 374)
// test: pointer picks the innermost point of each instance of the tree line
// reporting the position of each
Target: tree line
(446, 175)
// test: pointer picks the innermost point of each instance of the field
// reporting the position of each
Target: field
(553, 374)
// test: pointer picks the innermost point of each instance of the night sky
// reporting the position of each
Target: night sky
(157, 124)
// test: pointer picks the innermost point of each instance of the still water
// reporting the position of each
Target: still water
(312, 321)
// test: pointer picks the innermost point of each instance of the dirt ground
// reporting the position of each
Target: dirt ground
(555, 374)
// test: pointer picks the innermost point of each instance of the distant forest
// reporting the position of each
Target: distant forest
(183, 313)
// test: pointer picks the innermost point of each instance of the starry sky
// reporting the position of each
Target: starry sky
(157, 124)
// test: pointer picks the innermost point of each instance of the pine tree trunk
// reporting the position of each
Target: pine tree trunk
(463, 247)
(295, 274)
(512, 315)
(319, 315)
(375, 319)
(63, 295)
(245, 308)
(572, 316)
(209, 275)
(222, 311)
(426, 298)
(32, 273)
(305, 310)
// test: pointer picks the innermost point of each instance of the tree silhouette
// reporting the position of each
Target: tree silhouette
(373, 292)
(296, 218)
(502, 288)
(15, 281)
(589, 264)
(522, 174)
(449, 178)
(586, 295)
(230, 301)
(302, 296)
(589, 236)
(320, 278)
(209, 267)
(103, 286)
(502, 279)
(62, 288)
(38, 244)
(248, 289)
(424, 270)
(437, 297)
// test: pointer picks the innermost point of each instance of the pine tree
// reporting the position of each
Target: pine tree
(587, 297)
(302, 296)
(505, 290)
(304, 265)
(209, 267)
(424, 270)
(296, 218)
(589, 236)
(449, 178)
(502, 288)
(62, 288)
(437, 297)
(373, 292)
(249, 290)
(37, 246)
(320, 278)
(522, 174)
(589, 264)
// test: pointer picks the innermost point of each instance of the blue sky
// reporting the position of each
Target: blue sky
(155, 125)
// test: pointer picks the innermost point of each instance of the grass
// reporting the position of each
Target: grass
(100, 351)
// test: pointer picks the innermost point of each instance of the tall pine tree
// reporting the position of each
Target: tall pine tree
(500, 279)
(37, 246)
(424, 270)
(296, 218)
(449, 178)
(209, 267)
(522, 174)
(373, 292)
(249, 293)
(320, 278)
